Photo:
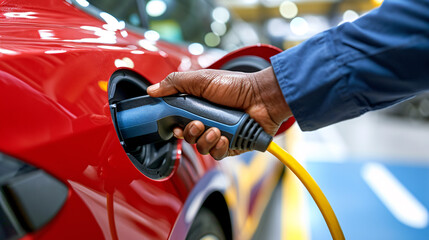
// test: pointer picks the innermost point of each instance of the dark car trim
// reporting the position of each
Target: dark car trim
(212, 181)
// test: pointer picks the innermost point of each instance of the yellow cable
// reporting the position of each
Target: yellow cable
(312, 187)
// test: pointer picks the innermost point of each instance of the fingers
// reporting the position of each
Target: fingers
(221, 148)
(178, 133)
(209, 141)
(193, 131)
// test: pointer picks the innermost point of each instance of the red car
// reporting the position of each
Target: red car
(63, 171)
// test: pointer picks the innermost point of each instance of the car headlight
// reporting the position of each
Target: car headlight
(29, 197)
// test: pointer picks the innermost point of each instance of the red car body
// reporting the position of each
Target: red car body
(55, 64)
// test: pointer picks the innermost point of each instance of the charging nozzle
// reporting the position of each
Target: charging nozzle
(144, 120)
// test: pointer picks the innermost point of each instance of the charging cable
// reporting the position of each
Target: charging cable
(312, 187)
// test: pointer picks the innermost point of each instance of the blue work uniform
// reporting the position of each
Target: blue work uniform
(380, 59)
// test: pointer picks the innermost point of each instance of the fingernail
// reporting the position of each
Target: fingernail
(194, 130)
(211, 136)
(154, 87)
(176, 133)
(220, 144)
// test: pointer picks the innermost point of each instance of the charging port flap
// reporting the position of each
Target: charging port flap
(154, 160)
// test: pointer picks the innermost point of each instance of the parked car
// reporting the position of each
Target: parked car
(63, 171)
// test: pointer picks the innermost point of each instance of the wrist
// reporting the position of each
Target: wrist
(272, 96)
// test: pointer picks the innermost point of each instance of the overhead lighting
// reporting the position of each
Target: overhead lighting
(350, 16)
(124, 63)
(83, 3)
(124, 33)
(137, 52)
(288, 9)
(47, 34)
(146, 44)
(195, 48)
(55, 51)
(104, 36)
(218, 28)
(221, 14)
(28, 15)
(152, 35)
(211, 39)
(299, 26)
(156, 8)
(112, 23)
(8, 52)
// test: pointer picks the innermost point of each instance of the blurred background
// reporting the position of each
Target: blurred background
(373, 169)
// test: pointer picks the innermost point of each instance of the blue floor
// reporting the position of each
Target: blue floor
(361, 213)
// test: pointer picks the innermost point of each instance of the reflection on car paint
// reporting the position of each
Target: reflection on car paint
(27, 15)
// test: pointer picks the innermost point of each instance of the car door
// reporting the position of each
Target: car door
(55, 66)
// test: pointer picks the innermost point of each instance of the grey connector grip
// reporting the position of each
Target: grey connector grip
(251, 136)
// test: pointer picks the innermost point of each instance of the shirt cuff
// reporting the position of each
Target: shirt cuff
(312, 83)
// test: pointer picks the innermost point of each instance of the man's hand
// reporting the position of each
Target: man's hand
(258, 94)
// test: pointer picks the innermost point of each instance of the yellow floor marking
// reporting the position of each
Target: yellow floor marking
(294, 210)
(261, 203)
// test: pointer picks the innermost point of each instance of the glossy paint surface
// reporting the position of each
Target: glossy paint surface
(55, 63)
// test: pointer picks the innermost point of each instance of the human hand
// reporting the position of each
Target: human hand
(257, 93)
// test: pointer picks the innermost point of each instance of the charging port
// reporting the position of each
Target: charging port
(156, 160)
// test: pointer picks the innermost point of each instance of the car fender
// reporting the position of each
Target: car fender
(213, 181)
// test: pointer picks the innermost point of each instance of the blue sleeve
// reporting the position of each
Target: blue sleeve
(378, 60)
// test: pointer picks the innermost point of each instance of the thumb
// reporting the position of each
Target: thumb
(163, 88)
(193, 83)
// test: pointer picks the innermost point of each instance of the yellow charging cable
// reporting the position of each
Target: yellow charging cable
(312, 187)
